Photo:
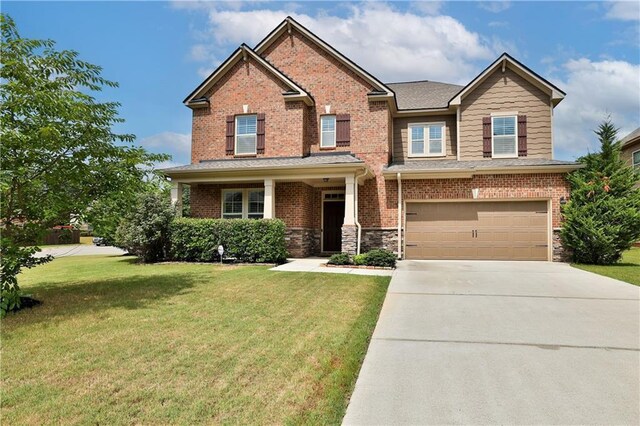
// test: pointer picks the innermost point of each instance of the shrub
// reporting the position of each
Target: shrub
(602, 217)
(360, 259)
(144, 232)
(339, 259)
(381, 257)
(246, 240)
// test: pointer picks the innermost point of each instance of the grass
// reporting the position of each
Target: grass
(627, 270)
(117, 342)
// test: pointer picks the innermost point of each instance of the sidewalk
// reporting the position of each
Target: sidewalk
(317, 264)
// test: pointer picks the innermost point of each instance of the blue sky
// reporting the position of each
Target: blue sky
(160, 51)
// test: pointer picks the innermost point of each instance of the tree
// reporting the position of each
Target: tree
(59, 152)
(602, 218)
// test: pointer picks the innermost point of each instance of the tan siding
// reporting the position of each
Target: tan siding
(628, 150)
(506, 92)
(401, 136)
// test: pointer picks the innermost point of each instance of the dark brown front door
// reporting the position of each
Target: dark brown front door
(332, 225)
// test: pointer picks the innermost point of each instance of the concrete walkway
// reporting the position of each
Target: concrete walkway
(79, 250)
(317, 264)
(501, 343)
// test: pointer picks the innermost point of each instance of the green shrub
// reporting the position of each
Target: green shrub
(246, 240)
(360, 259)
(381, 257)
(144, 231)
(339, 259)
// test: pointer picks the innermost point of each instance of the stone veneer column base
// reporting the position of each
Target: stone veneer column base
(379, 238)
(559, 253)
(302, 242)
(349, 239)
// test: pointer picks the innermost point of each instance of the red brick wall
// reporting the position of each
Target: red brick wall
(248, 84)
(206, 199)
(552, 185)
(295, 204)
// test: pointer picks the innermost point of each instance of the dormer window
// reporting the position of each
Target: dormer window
(246, 134)
(504, 136)
(328, 131)
(426, 140)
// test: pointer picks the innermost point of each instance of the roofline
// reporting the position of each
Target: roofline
(271, 37)
(231, 60)
(556, 94)
(352, 165)
(451, 173)
(423, 81)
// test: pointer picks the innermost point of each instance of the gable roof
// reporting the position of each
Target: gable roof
(380, 88)
(630, 138)
(556, 94)
(424, 94)
(195, 98)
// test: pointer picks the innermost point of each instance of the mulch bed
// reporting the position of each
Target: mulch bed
(388, 268)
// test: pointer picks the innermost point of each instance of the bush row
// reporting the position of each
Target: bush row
(375, 257)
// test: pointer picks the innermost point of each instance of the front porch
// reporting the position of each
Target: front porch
(318, 207)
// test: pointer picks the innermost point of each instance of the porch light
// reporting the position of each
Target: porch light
(563, 201)
(475, 192)
(325, 180)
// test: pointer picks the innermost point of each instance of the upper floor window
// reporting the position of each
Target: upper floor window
(246, 134)
(328, 131)
(427, 140)
(504, 136)
(243, 203)
(635, 159)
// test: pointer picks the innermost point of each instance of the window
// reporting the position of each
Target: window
(504, 137)
(328, 131)
(426, 140)
(246, 134)
(243, 203)
(635, 159)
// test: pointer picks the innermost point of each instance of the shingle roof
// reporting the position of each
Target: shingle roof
(424, 94)
(266, 163)
(630, 137)
(444, 165)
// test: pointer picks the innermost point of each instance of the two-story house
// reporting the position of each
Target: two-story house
(292, 129)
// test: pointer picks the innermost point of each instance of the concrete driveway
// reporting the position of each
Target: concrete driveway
(79, 250)
(501, 342)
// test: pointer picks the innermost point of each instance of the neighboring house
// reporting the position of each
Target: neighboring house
(292, 129)
(630, 146)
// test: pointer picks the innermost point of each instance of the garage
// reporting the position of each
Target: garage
(477, 230)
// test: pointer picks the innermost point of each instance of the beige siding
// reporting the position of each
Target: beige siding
(629, 149)
(502, 92)
(401, 136)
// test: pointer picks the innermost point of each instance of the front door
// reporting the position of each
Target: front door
(333, 217)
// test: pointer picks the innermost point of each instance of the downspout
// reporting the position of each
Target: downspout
(399, 177)
(458, 133)
(355, 194)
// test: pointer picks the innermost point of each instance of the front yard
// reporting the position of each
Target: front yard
(118, 342)
(627, 270)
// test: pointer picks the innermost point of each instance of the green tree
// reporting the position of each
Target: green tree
(59, 152)
(602, 218)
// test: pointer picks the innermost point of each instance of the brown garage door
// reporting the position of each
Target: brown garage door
(514, 230)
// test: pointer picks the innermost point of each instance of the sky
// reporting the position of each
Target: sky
(160, 51)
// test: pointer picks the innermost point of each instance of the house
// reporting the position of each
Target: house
(630, 146)
(293, 129)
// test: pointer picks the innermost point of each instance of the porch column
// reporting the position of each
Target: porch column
(176, 197)
(269, 199)
(349, 201)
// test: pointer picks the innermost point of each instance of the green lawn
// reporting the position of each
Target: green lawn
(627, 270)
(116, 342)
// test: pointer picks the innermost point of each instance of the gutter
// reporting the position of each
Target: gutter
(455, 173)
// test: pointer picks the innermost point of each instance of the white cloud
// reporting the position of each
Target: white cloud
(390, 44)
(595, 90)
(623, 10)
(176, 144)
(494, 6)
(431, 7)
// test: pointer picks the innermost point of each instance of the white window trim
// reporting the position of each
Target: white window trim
(235, 136)
(632, 163)
(501, 115)
(335, 131)
(245, 200)
(427, 139)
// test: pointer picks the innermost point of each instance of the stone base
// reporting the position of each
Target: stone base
(302, 242)
(559, 253)
(375, 238)
(349, 239)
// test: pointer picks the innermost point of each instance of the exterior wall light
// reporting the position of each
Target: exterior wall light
(563, 201)
(475, 192)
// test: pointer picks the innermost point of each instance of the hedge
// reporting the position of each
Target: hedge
(245, 240)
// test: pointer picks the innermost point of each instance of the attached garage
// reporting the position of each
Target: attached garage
(479, 230)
